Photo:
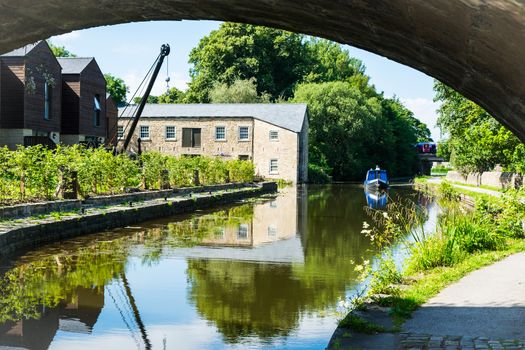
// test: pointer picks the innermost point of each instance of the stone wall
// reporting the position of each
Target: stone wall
(285, 150)
(496, 179)
(35, 235)
(257, 148)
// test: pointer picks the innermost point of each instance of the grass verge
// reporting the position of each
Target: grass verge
(424, 285)
(360, 325)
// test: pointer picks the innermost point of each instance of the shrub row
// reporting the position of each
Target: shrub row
(35, 172)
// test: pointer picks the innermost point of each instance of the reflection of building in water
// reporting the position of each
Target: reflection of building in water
(77, 316)
(271, 221)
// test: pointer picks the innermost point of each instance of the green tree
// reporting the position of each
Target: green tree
(275, 58)
(240, 91)
(173, 95)
(151, 99)
(60, 51)
(327, 61)
(476, 141)
(116, 88)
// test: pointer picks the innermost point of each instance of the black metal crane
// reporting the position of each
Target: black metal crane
(164, 52)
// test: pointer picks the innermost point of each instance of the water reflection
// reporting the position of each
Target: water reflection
(250, 275)
(376, 199)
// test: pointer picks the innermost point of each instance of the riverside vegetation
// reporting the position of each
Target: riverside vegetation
(464, 240)
(35, 173)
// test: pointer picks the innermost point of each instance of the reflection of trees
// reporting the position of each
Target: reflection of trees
(53, 278)
(244, 298)
(266, 300)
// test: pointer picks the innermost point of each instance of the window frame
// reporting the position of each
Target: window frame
(48, 101)
(245, 228)
(97, 108)
(140, 132)
(247, 133)
(216, 133)
(270, 135)
(276, 171)
(120, 132)
(174, 138)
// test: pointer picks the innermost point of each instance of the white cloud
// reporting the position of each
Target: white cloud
(425, 110)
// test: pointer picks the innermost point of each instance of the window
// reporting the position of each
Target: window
(274, 166)
(220, 133)
(47, 101)
(243, 231)
(244, 157)
(272, 231)
(96, 110)
(243, 133)
(120, 132)
(274, 135)
(144, 132)
(171, 132)
(191, 137)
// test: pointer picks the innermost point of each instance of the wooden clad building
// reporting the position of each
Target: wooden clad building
(83, 101)
(111, 119)
(30, 96)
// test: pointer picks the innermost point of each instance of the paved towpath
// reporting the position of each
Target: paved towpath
(437, 180)
(486, 307)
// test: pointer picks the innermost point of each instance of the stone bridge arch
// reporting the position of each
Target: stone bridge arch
(475, 46)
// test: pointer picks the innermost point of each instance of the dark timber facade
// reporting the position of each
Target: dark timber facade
(83, 101)
(30, 96)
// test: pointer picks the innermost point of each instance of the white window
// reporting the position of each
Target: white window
(120, 132)
(274, 166)
(274, 135)
(243, 231)
(272, 231)
(244, 133)
(171, 132)
(220, 133)
(144, 132)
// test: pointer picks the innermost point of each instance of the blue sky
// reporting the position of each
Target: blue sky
(128, 50)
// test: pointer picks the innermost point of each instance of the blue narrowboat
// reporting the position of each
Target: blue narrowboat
(376, 179)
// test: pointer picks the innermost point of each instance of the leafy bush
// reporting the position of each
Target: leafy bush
(34, 173)
(317, 175)
(447, 192)
(386, 277)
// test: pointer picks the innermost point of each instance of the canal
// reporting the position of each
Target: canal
(263, 274)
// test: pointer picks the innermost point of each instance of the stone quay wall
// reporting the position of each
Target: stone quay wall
(35, 235)
(496, 179)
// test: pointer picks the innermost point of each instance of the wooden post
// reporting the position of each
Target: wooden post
(196, 181)
(164, 180)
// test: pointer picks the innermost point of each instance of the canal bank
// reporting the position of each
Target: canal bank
(97, 214)
(474, 302)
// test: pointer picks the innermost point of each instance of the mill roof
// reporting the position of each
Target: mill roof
(286, 115)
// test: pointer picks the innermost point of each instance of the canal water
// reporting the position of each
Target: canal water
(262, 274)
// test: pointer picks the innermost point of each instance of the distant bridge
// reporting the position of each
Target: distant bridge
(425, 162)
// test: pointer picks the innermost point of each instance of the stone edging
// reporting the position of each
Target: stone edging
(32, 236)
(31, 209)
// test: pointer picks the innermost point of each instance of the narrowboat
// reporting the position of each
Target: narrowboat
(376, 179)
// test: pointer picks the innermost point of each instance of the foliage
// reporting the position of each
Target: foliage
(31, 173)
(476, 141)
(360, 325)
(276, 59)
(344, 123)
(317, 175)
(116, 88)
(173, 95)
(60, 51)
(151, 99)
(385, 279)
(240, 91)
